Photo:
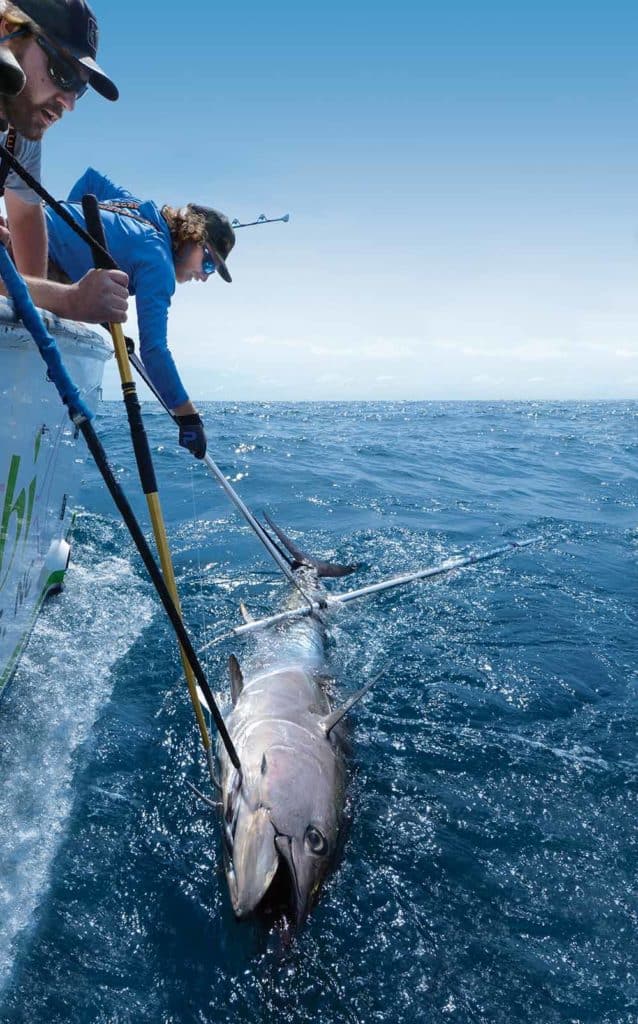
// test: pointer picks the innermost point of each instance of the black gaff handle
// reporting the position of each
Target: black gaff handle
(146, 470)
(101, 256)
(104, 261)
(97, 451)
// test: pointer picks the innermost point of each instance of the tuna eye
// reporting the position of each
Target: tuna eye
(315, 841)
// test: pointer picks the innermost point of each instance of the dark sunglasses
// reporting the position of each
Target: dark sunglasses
(208, 263)
(62, 70)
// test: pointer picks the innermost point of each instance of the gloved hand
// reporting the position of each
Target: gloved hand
(191, 434)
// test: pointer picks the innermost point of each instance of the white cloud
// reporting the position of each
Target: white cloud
(231, 344)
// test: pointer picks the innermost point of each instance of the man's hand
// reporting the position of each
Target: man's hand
(5, 237)
(99, 295)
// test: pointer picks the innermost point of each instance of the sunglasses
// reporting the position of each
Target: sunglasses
(63, 70)
(208, 263)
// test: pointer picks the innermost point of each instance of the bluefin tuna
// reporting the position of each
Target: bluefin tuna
(283, 816)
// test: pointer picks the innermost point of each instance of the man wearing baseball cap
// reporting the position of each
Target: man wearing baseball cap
(48, 54)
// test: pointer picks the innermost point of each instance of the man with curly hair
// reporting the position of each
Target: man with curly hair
(157, 248)
(47, 63)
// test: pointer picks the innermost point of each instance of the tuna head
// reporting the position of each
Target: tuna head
(283, 825)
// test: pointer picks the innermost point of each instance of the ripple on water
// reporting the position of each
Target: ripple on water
(489, 871)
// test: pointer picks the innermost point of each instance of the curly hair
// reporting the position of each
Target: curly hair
(185, 225)
(16, 17)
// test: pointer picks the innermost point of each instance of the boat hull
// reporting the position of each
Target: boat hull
(41, 463)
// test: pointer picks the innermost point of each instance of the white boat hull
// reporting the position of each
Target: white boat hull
(40, 469)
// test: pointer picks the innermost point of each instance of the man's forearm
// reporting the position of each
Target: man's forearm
(100, 295)
(28, 236)
(30, 258)
(48, 295)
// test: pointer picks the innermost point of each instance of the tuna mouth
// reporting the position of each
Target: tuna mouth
(300, 887)
(279, 902)
(273, 892)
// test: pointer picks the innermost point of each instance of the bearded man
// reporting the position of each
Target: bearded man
(47, 63)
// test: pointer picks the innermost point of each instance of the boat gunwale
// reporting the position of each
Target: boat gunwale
(68, 333)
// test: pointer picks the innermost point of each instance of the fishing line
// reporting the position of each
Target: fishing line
(262, 535)
(40, 190)
(57, 433)
(200, 577)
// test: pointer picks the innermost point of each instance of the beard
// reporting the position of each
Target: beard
(29, 120)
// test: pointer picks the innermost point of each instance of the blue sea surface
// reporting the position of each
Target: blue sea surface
(490, 870)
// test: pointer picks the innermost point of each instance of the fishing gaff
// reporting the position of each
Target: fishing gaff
(254, 523)
(396, 581)
(143, 459)
(95, 246)
(81, 416)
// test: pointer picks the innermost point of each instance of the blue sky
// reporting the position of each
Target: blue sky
(461, 181)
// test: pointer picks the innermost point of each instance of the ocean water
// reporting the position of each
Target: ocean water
(490, 870)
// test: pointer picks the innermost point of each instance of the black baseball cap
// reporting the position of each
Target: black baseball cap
(220, 237)
(72, 25)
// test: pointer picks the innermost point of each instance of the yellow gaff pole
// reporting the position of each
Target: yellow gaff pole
(146, 469)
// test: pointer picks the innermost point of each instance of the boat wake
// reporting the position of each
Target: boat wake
(47, 713)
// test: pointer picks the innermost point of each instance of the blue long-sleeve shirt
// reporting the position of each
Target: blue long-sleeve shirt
(144, 251)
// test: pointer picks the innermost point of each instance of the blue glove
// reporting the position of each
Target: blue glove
(191, 434)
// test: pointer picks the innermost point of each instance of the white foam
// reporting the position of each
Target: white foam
(46, 713)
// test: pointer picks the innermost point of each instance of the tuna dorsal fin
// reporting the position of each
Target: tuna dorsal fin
(245, 614)
(301, 558)
(236, 678)
(335, 717)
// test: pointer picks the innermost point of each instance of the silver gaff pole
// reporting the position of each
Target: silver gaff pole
(254, 524)
(395, 581)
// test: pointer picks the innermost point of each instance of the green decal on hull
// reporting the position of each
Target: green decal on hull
(55, 580)
(21, 507)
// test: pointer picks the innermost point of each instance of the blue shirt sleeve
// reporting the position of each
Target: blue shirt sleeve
(154, 288)
(99, 185)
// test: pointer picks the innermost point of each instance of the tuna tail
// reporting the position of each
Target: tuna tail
(301, 558)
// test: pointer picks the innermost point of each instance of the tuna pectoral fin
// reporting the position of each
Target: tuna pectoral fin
(255, 860)
(215, 804)
(333, 719)
(301, 558)
(236, 678)
(245, 614)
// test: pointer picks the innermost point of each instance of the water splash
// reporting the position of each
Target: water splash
(47, 714)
